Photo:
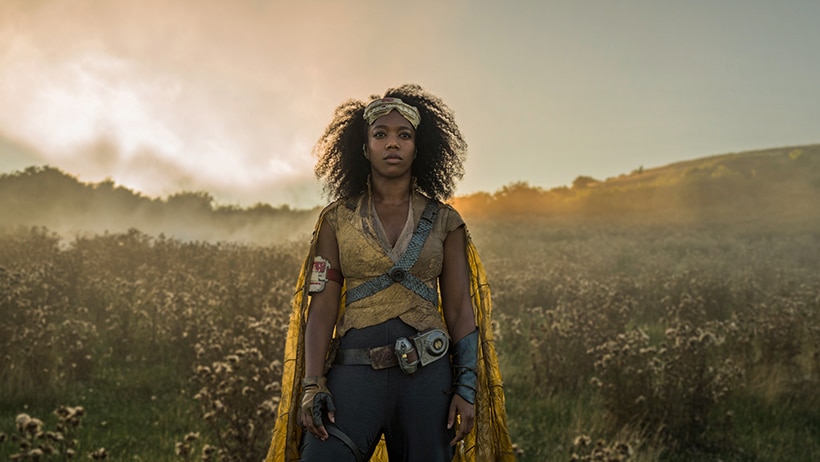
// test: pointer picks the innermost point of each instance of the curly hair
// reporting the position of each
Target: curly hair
(441, 149)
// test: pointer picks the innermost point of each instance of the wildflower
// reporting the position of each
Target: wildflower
(707, 338)
(202, 394)
(582, 441)
(275, 387)
(624, 449)
(22, 422)
(193, 436)
(203, 370)
(34, 426)
(255, 353)
(55, 436)
(99, 454)
(182, 449)
(276, 365)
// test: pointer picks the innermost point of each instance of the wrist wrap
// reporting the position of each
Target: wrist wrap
(465, 359)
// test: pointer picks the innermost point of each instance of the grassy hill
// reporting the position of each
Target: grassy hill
(775, 185)
(772, 187)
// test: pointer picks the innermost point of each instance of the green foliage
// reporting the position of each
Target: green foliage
(238, 371)
(46, 196)
(35, 442)
(102, 309)
(672, 331)
(670, 315)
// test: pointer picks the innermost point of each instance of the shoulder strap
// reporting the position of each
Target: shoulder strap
(400, 273)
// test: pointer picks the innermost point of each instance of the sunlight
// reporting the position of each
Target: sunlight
(94, 96)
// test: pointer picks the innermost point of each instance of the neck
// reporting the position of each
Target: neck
(390, 191)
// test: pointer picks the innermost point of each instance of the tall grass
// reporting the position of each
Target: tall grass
(637, 344)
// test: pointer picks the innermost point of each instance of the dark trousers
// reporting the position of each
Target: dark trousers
(409, 410)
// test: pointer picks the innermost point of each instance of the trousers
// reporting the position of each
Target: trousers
(410, 411)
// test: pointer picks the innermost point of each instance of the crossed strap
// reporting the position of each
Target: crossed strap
(400, 272)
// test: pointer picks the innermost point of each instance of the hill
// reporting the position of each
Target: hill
(772, 187)
(47, 197)
(775, 186)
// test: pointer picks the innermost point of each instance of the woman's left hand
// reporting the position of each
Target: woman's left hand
(459, 406)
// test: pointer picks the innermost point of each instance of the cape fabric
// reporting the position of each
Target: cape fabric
(489, 439)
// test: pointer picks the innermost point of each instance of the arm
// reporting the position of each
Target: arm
(458, 314)
(322, 313)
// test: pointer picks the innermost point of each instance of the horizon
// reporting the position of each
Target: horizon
(217, 204)
(172, 96)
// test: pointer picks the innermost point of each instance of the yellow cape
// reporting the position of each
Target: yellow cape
(488, 440)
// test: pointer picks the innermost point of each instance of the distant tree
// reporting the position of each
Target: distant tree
(198, 201)
(518, 188)
(583, 182)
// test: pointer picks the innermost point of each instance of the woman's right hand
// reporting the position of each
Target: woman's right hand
(316, 400)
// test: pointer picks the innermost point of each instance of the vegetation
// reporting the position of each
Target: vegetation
(640, 332)
(45, 196)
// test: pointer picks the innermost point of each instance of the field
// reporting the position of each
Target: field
(640, 343)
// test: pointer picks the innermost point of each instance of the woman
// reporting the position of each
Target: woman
(390, 346)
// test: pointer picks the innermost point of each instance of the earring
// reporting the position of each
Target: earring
(364, 151)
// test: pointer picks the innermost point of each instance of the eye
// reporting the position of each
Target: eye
(406, 135)
(378, 134)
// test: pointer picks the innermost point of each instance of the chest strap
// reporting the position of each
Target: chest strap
(400, 273)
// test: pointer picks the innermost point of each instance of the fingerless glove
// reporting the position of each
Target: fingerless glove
(316, 398)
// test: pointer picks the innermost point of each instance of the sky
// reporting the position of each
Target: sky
(228, 97)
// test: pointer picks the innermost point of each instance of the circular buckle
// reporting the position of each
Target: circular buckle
(396, 274)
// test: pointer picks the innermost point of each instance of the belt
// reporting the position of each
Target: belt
(409, 353)
(381, 357)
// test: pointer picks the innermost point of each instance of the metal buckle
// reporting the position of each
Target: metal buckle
(431, 345)
(396, 274)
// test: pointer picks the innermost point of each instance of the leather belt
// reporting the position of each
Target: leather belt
(409, 353)
(381, 357)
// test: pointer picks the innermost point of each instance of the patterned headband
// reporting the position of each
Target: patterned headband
(381, 107)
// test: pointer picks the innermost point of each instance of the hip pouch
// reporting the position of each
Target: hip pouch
(428, 346)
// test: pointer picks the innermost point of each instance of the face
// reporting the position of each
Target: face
(391, 145)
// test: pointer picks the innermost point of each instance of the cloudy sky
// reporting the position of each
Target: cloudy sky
(228, 97)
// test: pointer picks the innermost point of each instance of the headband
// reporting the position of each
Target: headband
(381, 107)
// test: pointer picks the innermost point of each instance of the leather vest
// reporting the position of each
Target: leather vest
(365, 255)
